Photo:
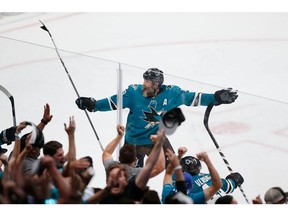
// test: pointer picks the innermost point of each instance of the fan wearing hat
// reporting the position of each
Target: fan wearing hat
(276, 195)
(200, 197)
(7, 136)
(175, 182)
(201, 180)
(31, 143)
(147, 101)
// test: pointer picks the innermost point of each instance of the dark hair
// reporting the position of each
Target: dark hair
(50, 148)
(151, 197)
(127, 154)
(227, 199)
(117, 165)
(89, 159)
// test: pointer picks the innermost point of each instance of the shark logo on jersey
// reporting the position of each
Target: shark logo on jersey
(150, 117)
(153, 103)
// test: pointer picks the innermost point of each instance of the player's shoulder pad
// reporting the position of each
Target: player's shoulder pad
(134, 86)
(169, 86)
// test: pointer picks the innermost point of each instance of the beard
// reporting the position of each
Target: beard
(148, 91)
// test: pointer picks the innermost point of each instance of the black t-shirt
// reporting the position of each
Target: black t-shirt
(131, 194)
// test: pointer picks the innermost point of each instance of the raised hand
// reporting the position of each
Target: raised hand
(72, 126)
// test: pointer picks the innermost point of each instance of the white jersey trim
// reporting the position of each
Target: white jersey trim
(197, 99)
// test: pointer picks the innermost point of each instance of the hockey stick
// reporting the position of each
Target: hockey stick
(11, 98)
(206, 118)
(56, 49)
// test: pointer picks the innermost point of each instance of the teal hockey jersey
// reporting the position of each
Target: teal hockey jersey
(144, 112)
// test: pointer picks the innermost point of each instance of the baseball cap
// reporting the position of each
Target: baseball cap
(37, 137)
(188, 181)
(275, 195)
(171, 119)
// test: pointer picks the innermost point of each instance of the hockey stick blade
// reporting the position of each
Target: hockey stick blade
(11, 98)
(43, 26)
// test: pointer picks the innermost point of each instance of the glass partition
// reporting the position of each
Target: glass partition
(252, 132)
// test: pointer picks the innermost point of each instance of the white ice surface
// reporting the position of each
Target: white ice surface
(197, 51)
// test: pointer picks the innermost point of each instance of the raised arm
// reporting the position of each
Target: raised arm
(16, 149)
(160, 163)
(174, 165)
(61, 183)
(47, 117)
(144, 175)
(110, 148)
(216, 180)
(71, 155)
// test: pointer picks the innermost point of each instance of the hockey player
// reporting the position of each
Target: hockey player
(192, 165)
(147, 101)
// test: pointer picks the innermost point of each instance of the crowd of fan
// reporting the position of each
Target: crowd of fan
(56, 177)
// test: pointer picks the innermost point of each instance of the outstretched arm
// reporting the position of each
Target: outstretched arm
(86, 103)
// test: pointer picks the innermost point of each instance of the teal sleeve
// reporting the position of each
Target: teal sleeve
(108, 104)
(167, 190)
(206, 99)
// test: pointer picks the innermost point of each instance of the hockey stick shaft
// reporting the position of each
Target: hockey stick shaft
(11, 98)
(75, 89)
(206, 119)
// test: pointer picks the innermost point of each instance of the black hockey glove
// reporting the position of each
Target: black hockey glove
(236, 177)
(86, 103)
(225, 96)
(7, 135)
